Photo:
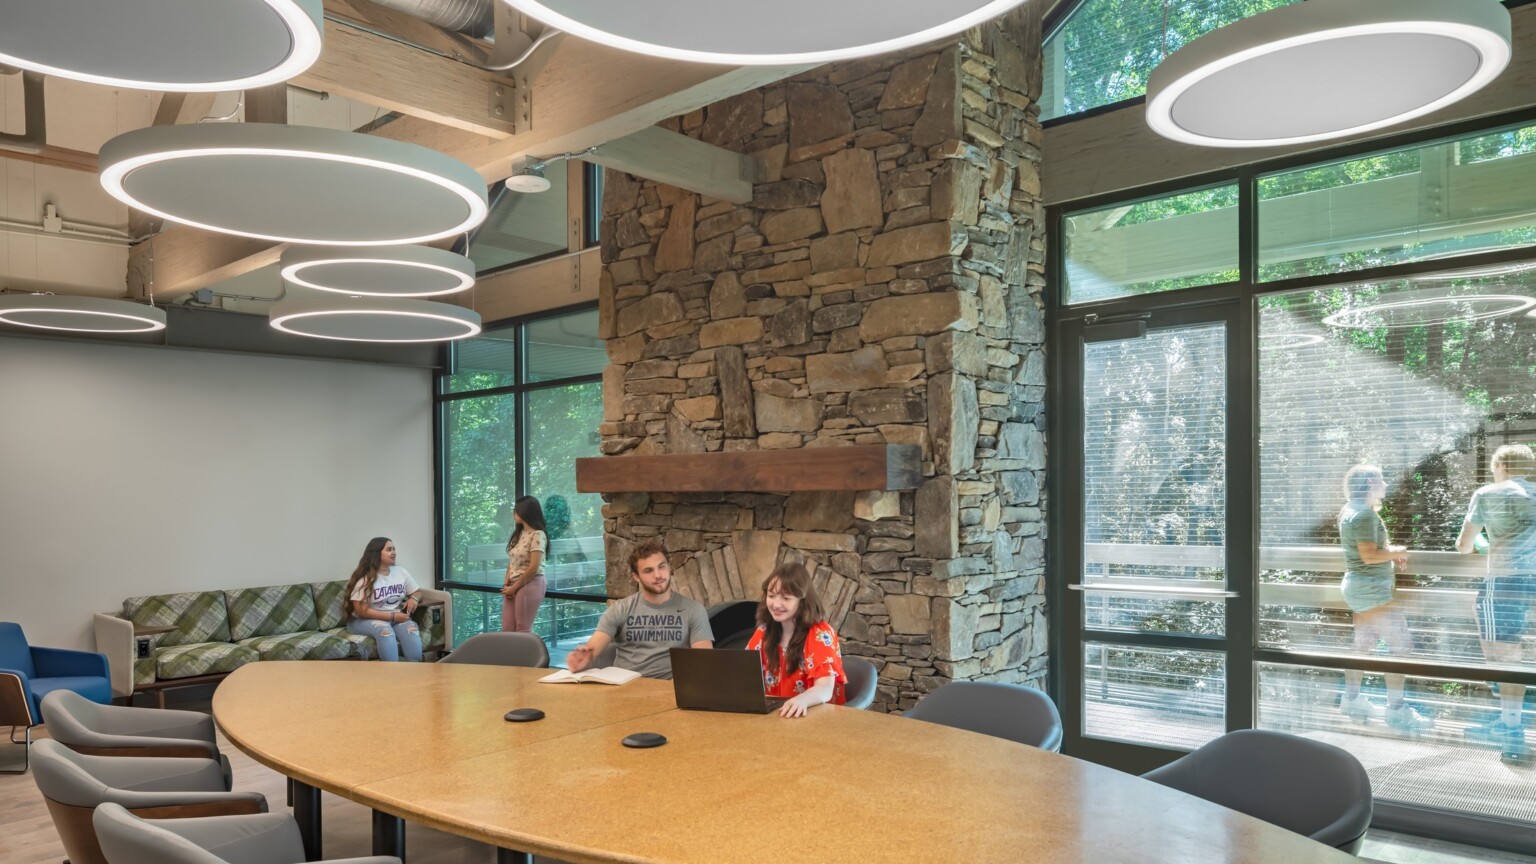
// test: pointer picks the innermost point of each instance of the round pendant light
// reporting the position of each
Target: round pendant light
(373, 320)
(798, 31)
(80, 314)
(1416, 309)
(1326, 69)
(378, 271)
(293, 184)
(168, 45)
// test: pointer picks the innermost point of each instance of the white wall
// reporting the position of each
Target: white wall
(128, 470)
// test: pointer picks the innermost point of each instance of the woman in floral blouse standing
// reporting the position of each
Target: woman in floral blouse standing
(523, 589)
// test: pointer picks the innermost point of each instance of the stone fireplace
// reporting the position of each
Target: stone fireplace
(882, 287)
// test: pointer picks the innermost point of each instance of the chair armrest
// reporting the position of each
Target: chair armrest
(371, 859)
(189, 805)
(61, 662)
(433, 597)
(16, 699)
(114, 638)
(157, 774)
(264, 837)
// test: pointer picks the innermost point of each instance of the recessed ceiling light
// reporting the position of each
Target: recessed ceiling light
(1421, 310)
(798, 31)
(375, 319)
(162, 45)
(1326, 69)
(293, 184)
(80, 314)
(378, 271)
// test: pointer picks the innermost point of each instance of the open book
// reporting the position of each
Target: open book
(608, 675)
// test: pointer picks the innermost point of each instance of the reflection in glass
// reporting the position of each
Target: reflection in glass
(1152, 246)
(1160, 696)
(482, 363)
(481, 472)
(1413, 204)
(1451, 765)
(1154, 506)
(565, 347)
(523, 225)
(1425, 377)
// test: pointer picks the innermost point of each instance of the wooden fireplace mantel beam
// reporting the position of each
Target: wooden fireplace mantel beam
(860, 467)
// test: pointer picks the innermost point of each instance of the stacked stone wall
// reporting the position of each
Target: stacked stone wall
(883, 286)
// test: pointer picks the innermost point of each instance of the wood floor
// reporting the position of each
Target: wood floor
(27, 835)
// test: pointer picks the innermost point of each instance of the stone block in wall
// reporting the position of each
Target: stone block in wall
(727, 297)
(1022, 441)
(786, 195)
(954, 628)
(917, 243)
(819, 511)
(959, 350)
(956, 192)
(699, 408)
(820, 541)
(917, 315)
(835, 252)
(781, 414)
(941, 117)
(863, 369)
(936, 518)
(674, 251)
(787, 226)
(790, 325)
(613, 393)
(730, 122)
(954, 418)
(737, 405)
(648, 312)
(852, 196)
(877, 504)
(757, 553)
(731, 331)
(911, 614)
(820, 120)
(908, 84)
(888, 406)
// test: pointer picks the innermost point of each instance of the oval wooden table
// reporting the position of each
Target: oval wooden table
(427, 743)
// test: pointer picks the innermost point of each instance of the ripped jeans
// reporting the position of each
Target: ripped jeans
(390, 638)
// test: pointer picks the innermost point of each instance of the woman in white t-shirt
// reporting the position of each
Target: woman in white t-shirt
(380, 600)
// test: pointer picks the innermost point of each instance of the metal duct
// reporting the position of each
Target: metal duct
(470, 17)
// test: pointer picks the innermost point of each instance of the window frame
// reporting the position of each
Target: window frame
(520, 392)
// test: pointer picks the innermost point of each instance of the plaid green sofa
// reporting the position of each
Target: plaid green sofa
(204, 634)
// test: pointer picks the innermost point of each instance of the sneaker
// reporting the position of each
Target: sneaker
(1508, 738)
(1358, 709)
(1406, 718)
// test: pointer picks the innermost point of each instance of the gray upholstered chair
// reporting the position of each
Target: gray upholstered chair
(268, 838)
(1296, 783)
(860, 689)
(74, 785)
(501, 649)
(114, 730)
(1010, 711)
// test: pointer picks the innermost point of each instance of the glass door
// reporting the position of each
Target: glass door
(1157, 563)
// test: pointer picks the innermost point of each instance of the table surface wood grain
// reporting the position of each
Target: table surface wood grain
(428, 743)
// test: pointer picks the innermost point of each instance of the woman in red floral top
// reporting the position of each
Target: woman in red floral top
(802, 661)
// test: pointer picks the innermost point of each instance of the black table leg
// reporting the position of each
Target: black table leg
(507, 856)
(388, 835)
(306, 811)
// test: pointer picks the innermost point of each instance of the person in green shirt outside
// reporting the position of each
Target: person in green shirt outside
(1506, 510)
(1369, 580)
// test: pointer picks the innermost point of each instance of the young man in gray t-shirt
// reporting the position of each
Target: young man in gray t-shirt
(1506, 509)
(648, 624)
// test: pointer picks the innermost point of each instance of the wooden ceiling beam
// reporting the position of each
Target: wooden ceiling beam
(587, 95)
(667, 157)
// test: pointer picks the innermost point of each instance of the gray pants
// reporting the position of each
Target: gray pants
(391, 639)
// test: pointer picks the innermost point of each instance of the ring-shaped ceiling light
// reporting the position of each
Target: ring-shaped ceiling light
(167, 45)
(293, 184)
(1417, 311)
(378, 271)
(736, 33)
(1326, 69)
(80, 314)
(345, 319)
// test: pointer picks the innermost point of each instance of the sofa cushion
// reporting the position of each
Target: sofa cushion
(206, 658)
(358, 646)
(430, 626)
(198, 616)
(269, 611)
(328, 603)
(307, 645)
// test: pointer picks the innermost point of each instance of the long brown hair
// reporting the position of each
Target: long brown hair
(367, 570)
(795, 581)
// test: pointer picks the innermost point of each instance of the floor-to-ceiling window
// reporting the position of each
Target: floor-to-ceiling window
(518, 405)
(1238, 356)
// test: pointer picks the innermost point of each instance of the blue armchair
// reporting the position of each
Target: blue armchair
(28, 673)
